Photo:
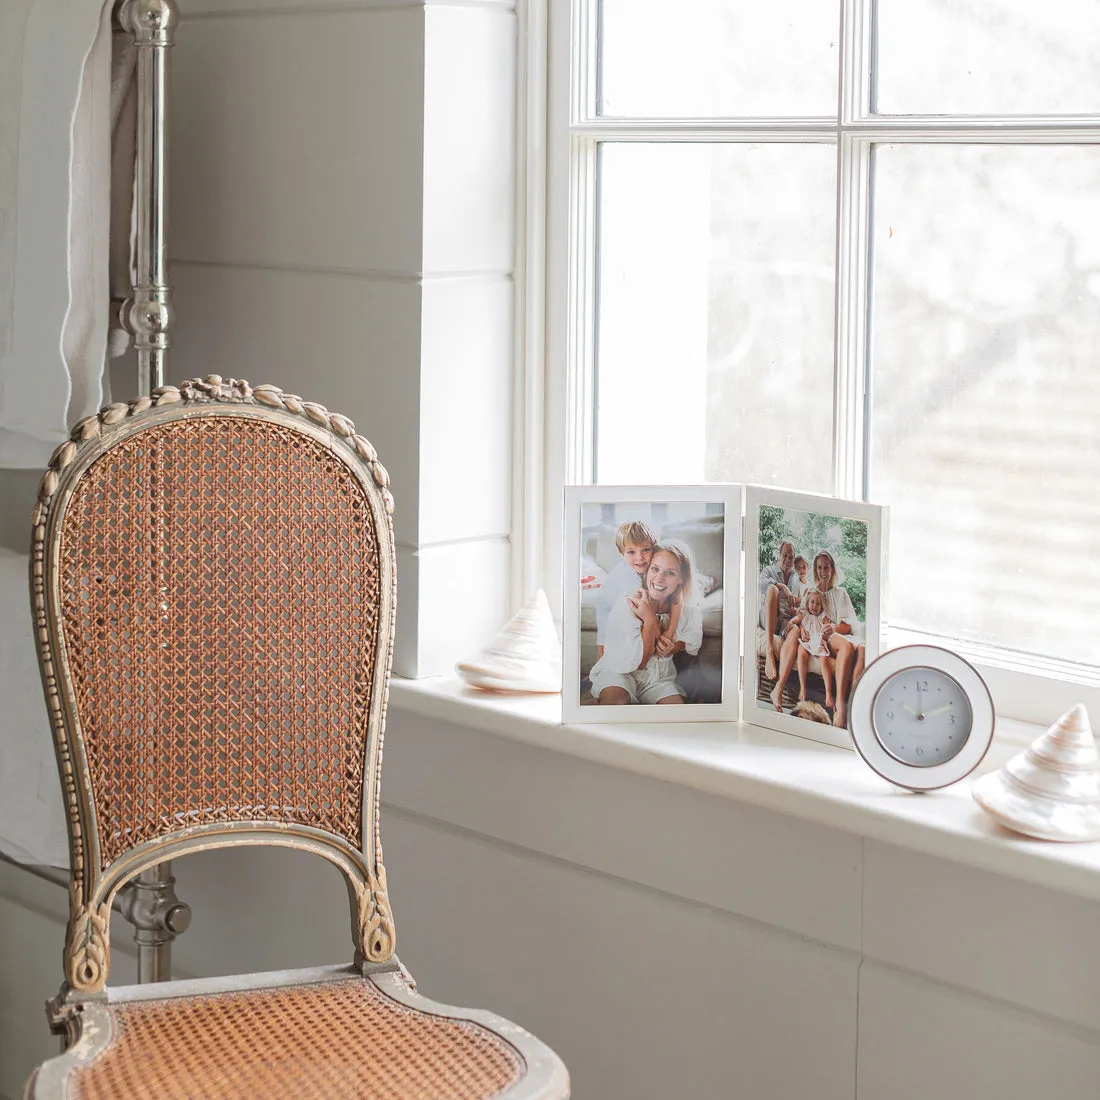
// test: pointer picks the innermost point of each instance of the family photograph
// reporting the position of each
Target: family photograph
(812, 591)
(651, 603)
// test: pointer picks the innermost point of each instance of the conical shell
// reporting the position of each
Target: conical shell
(524, 656)
(1052, 790)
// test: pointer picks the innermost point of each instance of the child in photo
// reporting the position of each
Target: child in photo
(635, 543)
(799, 584)
(810, 623)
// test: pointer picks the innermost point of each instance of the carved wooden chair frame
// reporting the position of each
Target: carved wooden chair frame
(80, 1009)
(93, 887)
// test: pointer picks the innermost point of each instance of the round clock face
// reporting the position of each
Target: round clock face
(921, 716)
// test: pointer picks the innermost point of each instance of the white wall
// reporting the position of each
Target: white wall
(342, 224)
(666, 942)
(343, 199)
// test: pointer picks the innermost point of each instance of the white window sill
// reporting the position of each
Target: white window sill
(779, 772)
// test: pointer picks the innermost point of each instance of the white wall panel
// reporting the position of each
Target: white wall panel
(759, 864)
(462, 600)
(918, 1041)
(18, 489)
(258, 909)
(643, 996)
(297, 140)
(406, 640)
(469, 139)
(465, 398)
(352, 344)
(991, 934)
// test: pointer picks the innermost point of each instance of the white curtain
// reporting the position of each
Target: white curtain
(55, 214)
(61, 100)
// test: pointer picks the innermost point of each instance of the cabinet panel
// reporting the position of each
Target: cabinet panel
(918, 1040)
(643, 996)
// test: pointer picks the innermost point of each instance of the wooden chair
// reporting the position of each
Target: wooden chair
(213, 584)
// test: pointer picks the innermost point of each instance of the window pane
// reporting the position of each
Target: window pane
(708, 58)
(986, 391)
(987, 56)
(715, 325)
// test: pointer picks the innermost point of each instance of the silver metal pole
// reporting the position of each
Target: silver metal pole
(158, 916)
(151, 904)
(148, 315)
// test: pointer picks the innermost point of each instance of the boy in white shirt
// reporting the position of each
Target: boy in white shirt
(799, 585)
(635, 542)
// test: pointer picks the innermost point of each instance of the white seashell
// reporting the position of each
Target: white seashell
(524, 656)
(1052, 790)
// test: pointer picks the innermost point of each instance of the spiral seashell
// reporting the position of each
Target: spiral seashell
(524, 656)
(1052, 790)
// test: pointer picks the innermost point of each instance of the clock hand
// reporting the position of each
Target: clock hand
(905, 706)
(939, 710)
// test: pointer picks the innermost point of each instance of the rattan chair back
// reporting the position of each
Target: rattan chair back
(213, 577)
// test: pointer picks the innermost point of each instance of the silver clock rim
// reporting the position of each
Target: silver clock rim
(882, 687)
(918, 777)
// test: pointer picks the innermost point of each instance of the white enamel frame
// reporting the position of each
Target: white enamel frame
(730, 497)
(875, 516)
(907, 775)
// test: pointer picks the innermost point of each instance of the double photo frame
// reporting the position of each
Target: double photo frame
(689, 603)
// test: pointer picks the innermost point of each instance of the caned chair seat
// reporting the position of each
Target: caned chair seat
(213, 578)
(324, 1036)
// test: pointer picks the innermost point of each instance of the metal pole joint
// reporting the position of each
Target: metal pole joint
(158, 916)
(151, 22)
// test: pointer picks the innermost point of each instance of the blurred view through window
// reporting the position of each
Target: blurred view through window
(963, 201)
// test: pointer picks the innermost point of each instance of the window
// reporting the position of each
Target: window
(851, 248)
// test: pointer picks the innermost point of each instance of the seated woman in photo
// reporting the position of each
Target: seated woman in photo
(647, 629)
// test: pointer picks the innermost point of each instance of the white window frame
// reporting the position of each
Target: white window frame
(559, 398)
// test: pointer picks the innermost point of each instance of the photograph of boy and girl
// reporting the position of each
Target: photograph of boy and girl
(651, 603)
(812, 591)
